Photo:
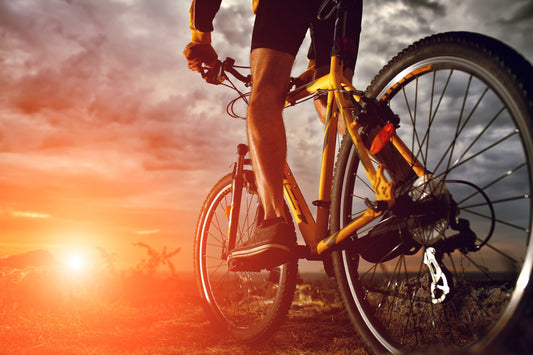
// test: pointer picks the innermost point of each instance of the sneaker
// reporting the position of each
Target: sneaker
(268, 247)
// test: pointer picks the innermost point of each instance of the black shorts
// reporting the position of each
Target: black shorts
(282, 25)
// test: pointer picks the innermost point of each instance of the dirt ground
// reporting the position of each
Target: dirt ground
(148, 317)
(160, 330)
(41, 315)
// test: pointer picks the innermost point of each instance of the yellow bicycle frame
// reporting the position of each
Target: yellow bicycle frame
(314, 233)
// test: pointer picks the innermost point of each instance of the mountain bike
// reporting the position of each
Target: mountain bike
(424, 216)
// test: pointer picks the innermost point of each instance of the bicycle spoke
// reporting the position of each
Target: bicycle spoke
(412, 114)
(459, 128)
(479, 135)
(472, 137)
(505, 255)
(497, 220)
(503, 200)
(432, 115)
(500, 141)
(497, 179)
(239, 300)
(415, 135)
(459, 120)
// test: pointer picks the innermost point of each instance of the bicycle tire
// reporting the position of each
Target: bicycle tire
(249, 305)
(444, 87)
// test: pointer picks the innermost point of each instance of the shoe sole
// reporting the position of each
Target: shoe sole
(262, 257)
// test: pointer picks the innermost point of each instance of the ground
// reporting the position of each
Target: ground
(139, 314)
(43, 312)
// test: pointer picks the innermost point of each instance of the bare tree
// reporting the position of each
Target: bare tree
(156, 258)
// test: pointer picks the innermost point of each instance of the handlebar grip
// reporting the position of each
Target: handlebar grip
(214, 75)
(217, 74)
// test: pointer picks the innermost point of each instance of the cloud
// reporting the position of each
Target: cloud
(434, 6)
(147, 232)
(235, 22)
(521, 12)
(69, 86)
(29, 214)
(98, 109)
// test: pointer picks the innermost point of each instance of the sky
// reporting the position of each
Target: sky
(107, 139)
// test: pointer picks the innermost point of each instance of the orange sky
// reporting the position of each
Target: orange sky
(106, 139)
(97, 144)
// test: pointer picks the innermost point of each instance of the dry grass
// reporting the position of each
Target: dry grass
(46, 311)
(42, 311)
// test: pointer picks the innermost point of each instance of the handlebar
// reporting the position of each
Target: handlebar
(217, 74)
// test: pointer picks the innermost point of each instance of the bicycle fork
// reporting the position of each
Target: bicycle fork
(233, 210)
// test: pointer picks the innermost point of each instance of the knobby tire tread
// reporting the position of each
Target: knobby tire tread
(511, 65)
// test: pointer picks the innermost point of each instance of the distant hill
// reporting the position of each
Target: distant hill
(34, 258)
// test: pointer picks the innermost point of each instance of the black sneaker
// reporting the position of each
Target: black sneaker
(266, 249)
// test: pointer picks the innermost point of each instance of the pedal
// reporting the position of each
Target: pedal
(236, 265)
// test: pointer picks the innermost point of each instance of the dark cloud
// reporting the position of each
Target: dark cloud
(522, 14)
(435, 6)
(68, 85)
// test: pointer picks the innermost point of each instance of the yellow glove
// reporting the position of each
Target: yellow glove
(200, 51)
(198, 54)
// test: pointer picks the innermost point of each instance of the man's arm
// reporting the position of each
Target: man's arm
(202, 14)
(200, 51)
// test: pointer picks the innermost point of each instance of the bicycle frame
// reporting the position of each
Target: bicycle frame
(315, 232)
(439, 240)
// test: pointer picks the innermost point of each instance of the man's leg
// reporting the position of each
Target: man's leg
(270, 244)
(266, 132)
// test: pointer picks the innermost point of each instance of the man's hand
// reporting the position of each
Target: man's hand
(198, 54)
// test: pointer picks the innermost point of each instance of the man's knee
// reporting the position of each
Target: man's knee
(270, 76)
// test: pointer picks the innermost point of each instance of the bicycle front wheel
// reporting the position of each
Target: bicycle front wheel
(465, 104)
(251, 305)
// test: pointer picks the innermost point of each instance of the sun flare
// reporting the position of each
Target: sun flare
(76, 262)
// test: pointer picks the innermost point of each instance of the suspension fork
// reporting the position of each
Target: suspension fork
(237, 187)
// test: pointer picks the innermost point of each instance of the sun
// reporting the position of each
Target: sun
(76, 262)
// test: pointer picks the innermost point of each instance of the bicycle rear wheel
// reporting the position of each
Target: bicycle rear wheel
(465, 103)
(251, 305)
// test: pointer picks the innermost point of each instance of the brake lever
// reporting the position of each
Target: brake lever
(214, 75)
(228, 65)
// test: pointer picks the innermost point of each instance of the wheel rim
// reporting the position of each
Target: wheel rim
(393, 297)
(240, 300)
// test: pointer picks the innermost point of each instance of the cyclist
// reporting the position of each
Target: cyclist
(279, 29)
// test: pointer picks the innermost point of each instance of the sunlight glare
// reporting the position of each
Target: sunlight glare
(76, 262)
